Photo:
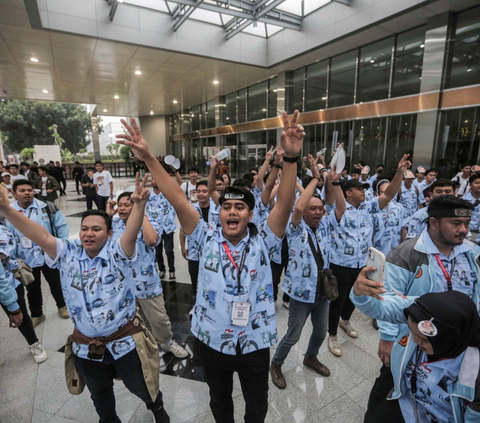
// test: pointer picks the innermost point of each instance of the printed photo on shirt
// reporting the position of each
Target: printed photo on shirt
(260, 320)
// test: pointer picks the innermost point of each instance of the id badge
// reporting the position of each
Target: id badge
(240, 313)
(26, 242)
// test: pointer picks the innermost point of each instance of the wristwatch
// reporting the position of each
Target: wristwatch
(291, 159)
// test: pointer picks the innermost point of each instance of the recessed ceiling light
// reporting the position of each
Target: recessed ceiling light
(175, 101)
(137, 72)
(45, 91)
(324, 98)
(469, 69)
(116, 97)
(215, 82)
(422, 45)
(372, 61)
(105, 110)
(466, 121)
(255, 26)
(34, 59)
(151, 112)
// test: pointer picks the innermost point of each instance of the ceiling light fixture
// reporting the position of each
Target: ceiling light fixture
(469, 69)
(275, 90)
(255, 26)
(137, 72)
(151, 112)
(175, 101)
(215, 82)
(33, 59)
(422, 45)
(105, 110)
(324, 98)
(372, 61)
(45, 91)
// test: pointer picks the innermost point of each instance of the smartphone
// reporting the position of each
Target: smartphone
(375, 259)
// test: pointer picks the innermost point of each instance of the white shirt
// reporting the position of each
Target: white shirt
(190, 191)
(44, 186)
(463, 188)
(16, 177)
(102, 181)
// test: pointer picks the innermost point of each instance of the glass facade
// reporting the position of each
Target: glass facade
(257, 101)
(316, 83)
(294, 88)
(342, 79)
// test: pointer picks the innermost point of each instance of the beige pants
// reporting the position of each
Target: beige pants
(155, 313)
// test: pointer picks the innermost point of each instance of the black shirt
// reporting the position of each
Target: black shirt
(205, 211)
(88, 191)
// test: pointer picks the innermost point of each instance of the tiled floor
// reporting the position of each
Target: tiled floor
(37, 393)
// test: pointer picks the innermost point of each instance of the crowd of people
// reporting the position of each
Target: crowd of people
(239, 237)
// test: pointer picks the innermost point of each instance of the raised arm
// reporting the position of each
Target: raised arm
(187, 215)
(150, 235)
(37, 233)
(212, 181)
(263, 170)
(396, 183)
(139, 198)
(265, 197)
(303, 201)
(336, 192)
(291, 142)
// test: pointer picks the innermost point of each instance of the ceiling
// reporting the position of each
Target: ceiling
(82, 69)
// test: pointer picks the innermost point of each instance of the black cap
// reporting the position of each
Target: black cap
(238, 193)
(354, 183)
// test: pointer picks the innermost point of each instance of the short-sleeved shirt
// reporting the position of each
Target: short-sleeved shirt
(218, 289)
(409, 200)
(300, 282)
(144, 269)
(260, 212)
(353, 236)
(387, 226)
(190, 191)
(160, 210)
(416, 223)
(99, 292)
(475, 220)
(421, 188)
(102, 181)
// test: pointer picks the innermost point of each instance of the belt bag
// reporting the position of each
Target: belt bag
(24, 273)
(327, 285)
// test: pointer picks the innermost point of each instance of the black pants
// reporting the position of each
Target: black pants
(167, 241)
(63, 185)
(193, 267)
(90, 200)
(26, 328)
(252, 371)
(34, 290)
(278, 269)
(342, 306)
(102, 202)
(98, 376)
(381, 388)
(78, 185)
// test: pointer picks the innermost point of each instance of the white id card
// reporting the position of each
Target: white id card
(26, 242)
(240, 313)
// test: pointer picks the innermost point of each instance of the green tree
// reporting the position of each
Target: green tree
(125, 152)
(27, 123)
(27, 153)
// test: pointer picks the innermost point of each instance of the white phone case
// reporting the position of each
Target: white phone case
(375, 259)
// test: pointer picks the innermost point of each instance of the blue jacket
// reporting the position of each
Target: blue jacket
(408, 271)
(8, 296)
(466, 392)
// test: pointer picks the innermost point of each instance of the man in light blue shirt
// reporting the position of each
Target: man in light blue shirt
(430, 178)
(408, 196)
(474, 197)
(351, 240)
(378, 173)
(97, 283)
(51, 218)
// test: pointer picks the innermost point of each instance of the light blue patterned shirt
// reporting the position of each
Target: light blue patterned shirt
(409, 200)
(387, 227)
(416, 223)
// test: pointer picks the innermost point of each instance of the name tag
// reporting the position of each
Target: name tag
(26, 242)
(240, 313)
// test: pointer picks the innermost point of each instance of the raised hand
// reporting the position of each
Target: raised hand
(111, 208)
(404, 164)
(279, 155)
(214, 162)
(134, 140)
(141, 193)
(4, 203)
(270, 153)
(291, 139)
(365, 286)
(334, 175)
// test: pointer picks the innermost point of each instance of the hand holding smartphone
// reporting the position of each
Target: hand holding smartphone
(375, 259)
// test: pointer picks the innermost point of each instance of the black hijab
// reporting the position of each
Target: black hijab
(456, 318)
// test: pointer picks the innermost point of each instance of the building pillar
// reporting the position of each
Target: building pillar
(281, 97)
(95, 137)
(436, 42)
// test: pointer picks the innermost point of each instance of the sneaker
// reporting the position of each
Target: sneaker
(172, 277)
(314, 364)
(277, 376)
(37, 320)
(175, 349)
(63, 312)
(160, 416)
(162, 275)
(286, 305)
(39, 354)
(333, 346)
(347, 327)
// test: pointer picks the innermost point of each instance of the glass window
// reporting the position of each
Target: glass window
(272, 97)
(210, 118)
(232, 161)
(400, 139)
(465, 58)
(242, 105)
(231, 102)
(369, 142)
(185, 121)
(408, 62)
(257, 101)
(195, 115)
(342, 79)
(374, 71)
(316, 86)
(294, 90)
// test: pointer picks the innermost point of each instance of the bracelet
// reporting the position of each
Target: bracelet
(336, 184)
(277, 166)
(16, 312)
(291, 159)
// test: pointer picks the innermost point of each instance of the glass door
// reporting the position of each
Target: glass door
(255, 156)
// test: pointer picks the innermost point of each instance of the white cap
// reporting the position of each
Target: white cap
(6, 174)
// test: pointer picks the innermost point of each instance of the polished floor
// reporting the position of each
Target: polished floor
(37, 393)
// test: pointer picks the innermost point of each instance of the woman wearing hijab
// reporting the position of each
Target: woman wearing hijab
(435, 360)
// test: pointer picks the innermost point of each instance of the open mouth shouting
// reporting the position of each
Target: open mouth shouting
(232, 223)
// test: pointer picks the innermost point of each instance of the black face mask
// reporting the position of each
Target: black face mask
(379, 171)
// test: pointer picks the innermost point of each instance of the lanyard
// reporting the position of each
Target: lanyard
(242, 262)
(445, 272)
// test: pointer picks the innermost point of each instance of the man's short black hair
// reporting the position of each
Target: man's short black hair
(44, 168)
(13, 165)
(51, 161)
(253, 169)
(90, 168)
(242, 183)
(26, 164)
(377, 181)
(447, 202)
(193, 169)
(430, 170)
(250, 177)
(19, 182)
(443, 182)
(202, 182)
(315, 195)
(465, 165)
(218, 178)
(77, 163)
(126, 194)
(473, 177)
(101, 213)
(98, 162)
(356, 171)
(380, 165)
